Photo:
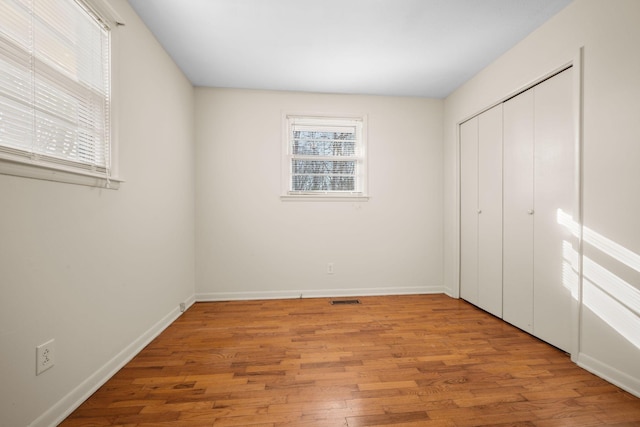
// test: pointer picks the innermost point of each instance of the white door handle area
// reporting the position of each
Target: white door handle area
(530, 211)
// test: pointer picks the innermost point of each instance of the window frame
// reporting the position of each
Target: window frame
(28, 164)
(360, 192)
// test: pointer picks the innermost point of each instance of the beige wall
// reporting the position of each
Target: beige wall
(95, 269)
(251, 244)
(609, 31)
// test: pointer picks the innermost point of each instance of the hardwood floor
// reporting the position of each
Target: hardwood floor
(421, 360)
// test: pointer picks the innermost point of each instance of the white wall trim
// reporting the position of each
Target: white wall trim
(318, 293)
(17, 167)
(65, 406)
(190, 301)
(609, 373)
(578, 128)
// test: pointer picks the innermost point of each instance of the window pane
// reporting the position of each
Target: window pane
(322, 183)
(69, 122)
(312, 143)
(71, 42)
(324, 167)
(16, 23)
(16, 124)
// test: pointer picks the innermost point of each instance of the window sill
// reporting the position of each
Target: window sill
(324, 197)
(26, 170)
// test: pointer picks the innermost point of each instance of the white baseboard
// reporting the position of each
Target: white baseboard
(450, 293)
(319, 293)
(190, 301)
(609, 373)
(65, 406)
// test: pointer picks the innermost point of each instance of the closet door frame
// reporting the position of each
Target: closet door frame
(576, 304)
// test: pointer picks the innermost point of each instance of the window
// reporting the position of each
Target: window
(325, 157)
(55, 88)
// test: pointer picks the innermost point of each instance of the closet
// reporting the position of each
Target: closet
(527, 157)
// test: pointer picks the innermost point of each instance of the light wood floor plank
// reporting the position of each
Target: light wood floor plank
(419, 360)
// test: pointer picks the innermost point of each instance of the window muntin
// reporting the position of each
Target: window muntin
(55, 86)
(325, 156)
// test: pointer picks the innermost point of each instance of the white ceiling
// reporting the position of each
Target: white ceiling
(379, 47)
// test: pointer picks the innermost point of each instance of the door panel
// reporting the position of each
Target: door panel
(490, 208)
(469, 210)
(554, 192)
(518, 214)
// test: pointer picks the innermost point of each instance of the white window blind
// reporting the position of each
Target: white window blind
(325, 156)
(54, 86)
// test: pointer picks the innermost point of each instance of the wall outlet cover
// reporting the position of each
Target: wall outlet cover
(45, 356)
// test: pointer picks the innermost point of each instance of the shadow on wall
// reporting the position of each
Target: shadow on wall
(611, 298)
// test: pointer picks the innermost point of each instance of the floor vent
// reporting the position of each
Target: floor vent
(345, 302)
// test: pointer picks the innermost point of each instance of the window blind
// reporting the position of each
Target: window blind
(54, 86)
(326, 156)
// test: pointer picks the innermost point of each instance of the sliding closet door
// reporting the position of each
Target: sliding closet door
(518, 211)
(490, 208)
(469, 211)
(554, 196)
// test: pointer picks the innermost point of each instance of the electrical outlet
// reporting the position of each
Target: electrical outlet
(45, 356)
(330, 268)
(183, 307)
